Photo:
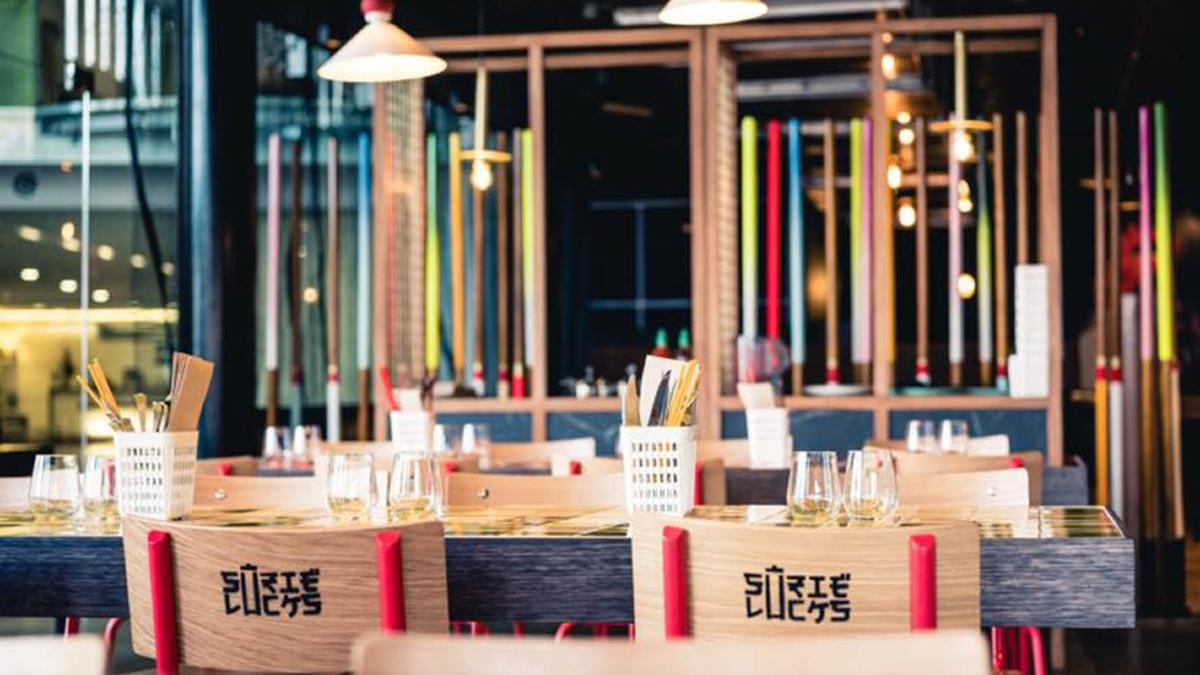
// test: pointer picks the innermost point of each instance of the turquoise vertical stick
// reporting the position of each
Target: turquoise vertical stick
(795, 242)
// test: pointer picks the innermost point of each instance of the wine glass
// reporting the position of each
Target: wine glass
(412, 488)
(277, 443)
(303, 438)
(100, 489)
(921, 436)
(812, 487)
(870, 490)
(54, 488)
(350, 485)
(954, 436)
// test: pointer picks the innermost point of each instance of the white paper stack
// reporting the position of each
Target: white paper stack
(770, 442)
(1029, 367)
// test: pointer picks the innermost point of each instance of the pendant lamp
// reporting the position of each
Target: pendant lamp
(381, 52)
(710, 12)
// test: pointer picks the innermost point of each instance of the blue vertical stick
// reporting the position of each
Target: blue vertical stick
(795, 253)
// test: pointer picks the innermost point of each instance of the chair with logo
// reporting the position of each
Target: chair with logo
(721, 579)
(278, 598)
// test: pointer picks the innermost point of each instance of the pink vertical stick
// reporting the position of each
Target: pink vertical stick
(1145, 245)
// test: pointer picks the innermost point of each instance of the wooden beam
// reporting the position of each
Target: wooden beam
(819, 51)
(518, 42)
(667, 58)
(1049, 229)
(993, 23)
(537, 124)
(707, 417)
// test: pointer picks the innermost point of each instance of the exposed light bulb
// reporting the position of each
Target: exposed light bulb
(101, 296)
(906, 214)
(68, 285)
(30, 274)
(966, 286)
(904, 117)
(894, 175)
(889, 65)
(964, 147)
(964, 196)
(907, 136)
(481, 175)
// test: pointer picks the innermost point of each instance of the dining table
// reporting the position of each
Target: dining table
(1048, 566)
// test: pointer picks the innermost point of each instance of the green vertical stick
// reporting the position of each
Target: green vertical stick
(1164, 265)
(749, 226)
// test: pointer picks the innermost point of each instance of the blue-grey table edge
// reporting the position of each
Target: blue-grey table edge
(1063, 583)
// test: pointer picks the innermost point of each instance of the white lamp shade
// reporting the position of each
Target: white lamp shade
(710, 12)
(381, 52)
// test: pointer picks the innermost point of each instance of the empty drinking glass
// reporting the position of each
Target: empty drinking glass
(412, 490)
(476, 439)
(54, 488)
(302, 441)
(921, 436)
(100, 489)
(954, 436)
(350, 486)
(870, 490)
(812, 488)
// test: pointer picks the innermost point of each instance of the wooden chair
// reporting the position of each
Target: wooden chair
(48, 655)
(948, 652)
(912, 463)
(478, 489)
(538, 454)
(733, 452)
(276, 599)
(241, 465)
(565, 465)
(719, 579)
(1003, 487)
(240, 492)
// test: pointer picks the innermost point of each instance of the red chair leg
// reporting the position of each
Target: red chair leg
(225, 468)
(632, 631)
(110, 639)
(71, 626)
(518, 629)
(600, 630)
(698, 491)
(575, 468)
(390, 568)
(675, 584)
(162, 603)
(999, 651)
(922, 582)
(1036, 648)
(563, 630)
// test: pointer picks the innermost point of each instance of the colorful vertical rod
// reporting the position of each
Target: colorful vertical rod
(272, 279)
(955, 267)
(983, 264)
(457, 274)
(922, 369)
(518, 256)
(363, 281)
(1150, 459)
(527, 242)
(502, 271)
(333, 314)
(749, 227)
(857, 357)
(1000, 224)
(1116, 404)
(774, 243)
(432, 260)
(1101, 391)
(1168, 366)
(832, 374)
(867, 265)
(796, 254)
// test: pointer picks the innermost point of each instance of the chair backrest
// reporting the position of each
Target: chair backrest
(278, 599)
(924, 463)
(538, 453)
(721, 579)
(241, 465)
(949, 652)
(734, 452)
(381, 451)
(1003, 487)
(565, 465)
(251, 491)
(52, 655)
(14, 493)
(481, 489)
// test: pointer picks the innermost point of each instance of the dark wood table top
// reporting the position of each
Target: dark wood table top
(1070, 567)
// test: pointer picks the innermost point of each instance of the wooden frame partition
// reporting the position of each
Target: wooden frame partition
(721, 321)
(535, 53)
(710, 57)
